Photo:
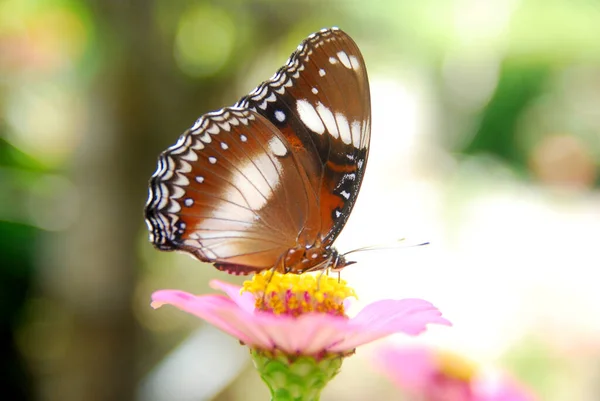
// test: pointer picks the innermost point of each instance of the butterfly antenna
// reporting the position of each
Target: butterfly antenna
(399, 243)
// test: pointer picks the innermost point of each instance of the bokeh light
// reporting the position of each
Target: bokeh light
(205, 40)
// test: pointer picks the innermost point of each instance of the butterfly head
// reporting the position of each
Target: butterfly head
(339, 262)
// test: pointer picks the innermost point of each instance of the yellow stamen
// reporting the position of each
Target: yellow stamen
(455, 366)
(295, 294)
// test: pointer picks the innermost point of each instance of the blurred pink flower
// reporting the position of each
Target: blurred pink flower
(430, 375)
(309, 333)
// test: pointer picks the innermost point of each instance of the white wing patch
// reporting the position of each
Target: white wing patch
(309, 116)
(277, 147)
(280, 116)
(342, 123)
(344, 59)
(328, 119)
(356, 131)
(254, 183)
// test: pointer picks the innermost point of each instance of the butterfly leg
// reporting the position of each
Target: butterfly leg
(324, 270)
(273, 270)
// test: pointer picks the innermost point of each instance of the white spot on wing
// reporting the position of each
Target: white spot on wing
(184, 167)
(174, 207)
(356, 131)
(224, 146)
(213, 129)
(190, 156)
(243, 138)
(177, 193)
(342, 123)
(344, 59)
(321, 72)
(332, 60)
(309, 116)
(280, 116)
(188, 202)
(277, 147)
(181, 180)
(212, 159)
(345, 195)
(328, 119)
(314, 90)
(197, 145)
(200, 179)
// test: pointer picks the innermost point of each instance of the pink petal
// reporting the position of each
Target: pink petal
(313, 332)
(321, 332)
(254, 326)
(382, 318)
(212, 308)
(245, 300)
(307, 334)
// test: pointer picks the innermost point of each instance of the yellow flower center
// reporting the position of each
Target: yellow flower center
(456, 367)
(296, 294)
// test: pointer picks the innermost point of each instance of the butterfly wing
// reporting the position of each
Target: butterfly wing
(320, 101)
(224, 192)
(279, 170)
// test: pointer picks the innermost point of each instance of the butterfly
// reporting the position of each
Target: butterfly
(270, 182)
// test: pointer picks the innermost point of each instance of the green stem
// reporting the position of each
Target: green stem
(295, 378)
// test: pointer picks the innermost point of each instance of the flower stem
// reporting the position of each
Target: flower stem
(295, 378)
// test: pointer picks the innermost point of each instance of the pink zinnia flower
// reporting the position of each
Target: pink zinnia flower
(298, 321)
(432, 375)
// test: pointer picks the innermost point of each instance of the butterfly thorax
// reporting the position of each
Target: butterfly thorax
(309, 258)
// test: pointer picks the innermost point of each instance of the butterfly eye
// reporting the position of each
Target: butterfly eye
(270, 182)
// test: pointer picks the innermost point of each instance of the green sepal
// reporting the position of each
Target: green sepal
(296, 377)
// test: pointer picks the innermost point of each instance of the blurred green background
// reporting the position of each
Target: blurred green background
(486, 142)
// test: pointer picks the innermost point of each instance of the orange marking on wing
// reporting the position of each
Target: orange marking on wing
(341, 168)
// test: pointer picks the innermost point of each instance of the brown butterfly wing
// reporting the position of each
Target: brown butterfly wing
(320, 101)
(280, 171)
(223, 193)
